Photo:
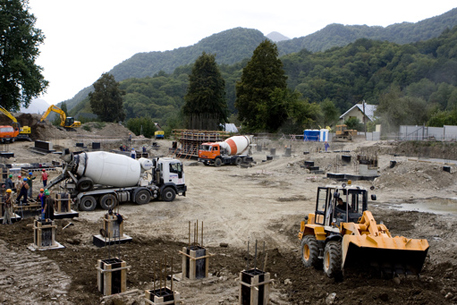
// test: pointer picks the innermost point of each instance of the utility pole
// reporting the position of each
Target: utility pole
(364, 119)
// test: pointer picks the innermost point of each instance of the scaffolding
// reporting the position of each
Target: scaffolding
(189, 141)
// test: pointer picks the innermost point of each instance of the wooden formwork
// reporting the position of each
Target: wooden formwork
(195, 262)
(161, 296)
(112, 227)
(44, 233)
(254, 287)
(63, 203)
(111, 276)
(191, 140)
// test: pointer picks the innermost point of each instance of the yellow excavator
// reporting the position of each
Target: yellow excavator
(66, 122)
(343, 234)
(24, 131)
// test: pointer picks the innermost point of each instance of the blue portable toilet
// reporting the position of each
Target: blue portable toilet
(311, 135)
(323, 135)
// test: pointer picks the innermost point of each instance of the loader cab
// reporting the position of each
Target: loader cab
(328, 213)
(355, 202)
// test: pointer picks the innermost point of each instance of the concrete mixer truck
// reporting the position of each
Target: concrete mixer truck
(104, 178)
(231, 151)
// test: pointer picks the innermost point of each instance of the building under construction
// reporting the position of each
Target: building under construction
(188, 141)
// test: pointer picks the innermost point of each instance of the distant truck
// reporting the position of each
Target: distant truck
(107, 179)
(8, 133)
(160, 134)
(231, 151)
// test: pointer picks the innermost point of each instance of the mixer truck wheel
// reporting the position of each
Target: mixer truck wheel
(238, 161)
(142, 197)
(108, 201)
(310, 252)
(169, 194)
(88, 203)
(218, 162)
(332, 259)
(84, 184)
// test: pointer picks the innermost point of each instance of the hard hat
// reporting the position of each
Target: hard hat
(42, 190)
(30, 173)
(8, 190)
(43, 170)
(46, 192)
(25, 179)
(19, 176)
(11, 176)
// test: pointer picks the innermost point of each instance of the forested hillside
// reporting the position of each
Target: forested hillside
(232, 46)
(337, 35)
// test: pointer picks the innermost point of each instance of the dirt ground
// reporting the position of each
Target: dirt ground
(263, 203)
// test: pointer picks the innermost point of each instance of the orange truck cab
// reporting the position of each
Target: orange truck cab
(8, 133)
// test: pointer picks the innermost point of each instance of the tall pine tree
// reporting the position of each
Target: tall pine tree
(261, 76)
(205, 104)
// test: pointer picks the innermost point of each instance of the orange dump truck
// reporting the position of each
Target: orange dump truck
(231, 151)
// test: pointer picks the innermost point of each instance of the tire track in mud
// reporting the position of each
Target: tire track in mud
(28, 278)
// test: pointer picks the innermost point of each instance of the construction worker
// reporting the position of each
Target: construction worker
(9, 182)
(48, 206)
(7, 208)
(44, 177)
(30, 179)
(41, 198)
(130, 137)
(23, 192)
(133, 153)
(18, 184)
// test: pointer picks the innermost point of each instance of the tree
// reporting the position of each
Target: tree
(106, 100)
(144, 126)
(205, 105)
(20, 78)
(261, 76)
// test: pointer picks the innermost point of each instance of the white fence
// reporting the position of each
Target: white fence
(418, 133)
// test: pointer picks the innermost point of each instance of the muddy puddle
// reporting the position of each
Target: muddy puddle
(442, 206)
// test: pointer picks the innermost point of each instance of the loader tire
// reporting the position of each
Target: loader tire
(310, 252)
(333, 259)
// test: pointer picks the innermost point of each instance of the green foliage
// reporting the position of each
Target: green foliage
(106, 100)
(143, 125)
(205, 105)
(257, 108)
(99, 125)
(86, 128)
(354, 123)
(21, 79)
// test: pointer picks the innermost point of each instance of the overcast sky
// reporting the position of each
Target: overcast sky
(86, 38)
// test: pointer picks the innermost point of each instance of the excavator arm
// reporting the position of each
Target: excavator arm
(55, 109)
(67, 122)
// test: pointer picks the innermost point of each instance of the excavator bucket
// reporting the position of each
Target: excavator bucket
(397, 255)
(368, 243)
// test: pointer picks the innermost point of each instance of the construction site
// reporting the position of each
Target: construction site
(230, 231)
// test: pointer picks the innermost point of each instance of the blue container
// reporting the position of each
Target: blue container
(311, 135)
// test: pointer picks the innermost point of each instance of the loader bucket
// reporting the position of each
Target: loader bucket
(390, 255)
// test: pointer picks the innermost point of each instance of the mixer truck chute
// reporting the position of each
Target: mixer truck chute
(108, 178)
(231, 151)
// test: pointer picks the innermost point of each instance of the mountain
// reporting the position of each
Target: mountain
(276, 37)
(233, 46)
(337, 35)
(36, 106)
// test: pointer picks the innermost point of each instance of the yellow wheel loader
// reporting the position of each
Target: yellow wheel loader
(342, 234)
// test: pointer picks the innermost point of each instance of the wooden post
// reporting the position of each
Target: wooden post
(195, 262)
